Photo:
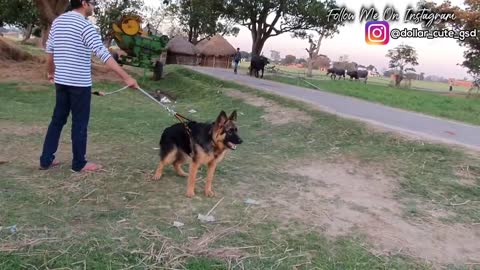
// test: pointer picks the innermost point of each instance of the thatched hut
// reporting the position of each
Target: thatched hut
(200, 44)
(180, 51)
(216, 52)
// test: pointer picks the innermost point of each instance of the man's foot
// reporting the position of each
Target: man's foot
(55, 163)
(90, 167)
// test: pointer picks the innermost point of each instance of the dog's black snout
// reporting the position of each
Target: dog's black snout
(240, 141)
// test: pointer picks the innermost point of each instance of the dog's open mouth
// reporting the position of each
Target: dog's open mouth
(232, 145)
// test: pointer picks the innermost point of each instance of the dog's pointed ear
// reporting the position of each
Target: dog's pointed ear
(221, 119)
(233, 116)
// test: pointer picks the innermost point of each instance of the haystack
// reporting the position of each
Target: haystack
(19, 65)
(9, 51)
(180, 51)
(216, 52)
(35, 41)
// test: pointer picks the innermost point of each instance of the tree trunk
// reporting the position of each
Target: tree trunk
(49, 10)
(310, 66)
(27, 33)
(190, 34)
(398, 79)
(257, 45)
(45, 32)
(313, 53)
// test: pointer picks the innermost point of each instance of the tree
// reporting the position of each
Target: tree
(388, 73)
(301, 61)
(324, 28)
(465, 19)
(345, 65)
(245, 55)
(401, 56)
(343, 58)
(410, 74)
(275, 55)
(174, 30)
(371, 67)
(289, 59)
(109, 11)
(351, 66)
(153, 17)
(48, 10)
(268, 18)
(20, 13)
(201, 19)
(321, 62)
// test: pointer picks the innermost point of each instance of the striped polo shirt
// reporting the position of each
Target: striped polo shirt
(72, 40)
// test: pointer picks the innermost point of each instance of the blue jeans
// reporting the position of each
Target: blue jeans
(235, 67)
(77, 100)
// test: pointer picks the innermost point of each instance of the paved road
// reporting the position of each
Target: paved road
(406, 122)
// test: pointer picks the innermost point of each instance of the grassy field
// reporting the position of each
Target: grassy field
(120, 219)
(416, 84)
(450, 107)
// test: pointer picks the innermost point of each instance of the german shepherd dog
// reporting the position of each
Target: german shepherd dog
(207, 143)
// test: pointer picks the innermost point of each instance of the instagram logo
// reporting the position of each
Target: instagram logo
(377, 32)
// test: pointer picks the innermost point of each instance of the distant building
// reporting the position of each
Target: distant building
(455, 82)
(215, 52)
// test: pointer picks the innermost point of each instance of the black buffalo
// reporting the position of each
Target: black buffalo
(358, 74)
(258, 63)
(340, 72)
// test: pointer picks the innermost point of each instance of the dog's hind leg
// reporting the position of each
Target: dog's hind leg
(177, 164)
(166, 158)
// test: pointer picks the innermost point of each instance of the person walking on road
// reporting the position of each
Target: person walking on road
(236, 58)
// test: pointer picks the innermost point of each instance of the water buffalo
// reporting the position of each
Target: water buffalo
(336, 71)
(357, 74)
(258, 63)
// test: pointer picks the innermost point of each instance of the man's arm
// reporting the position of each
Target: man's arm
(50, 67)
(92, 40)
(49, 50)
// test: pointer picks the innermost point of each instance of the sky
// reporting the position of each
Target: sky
(435, 56)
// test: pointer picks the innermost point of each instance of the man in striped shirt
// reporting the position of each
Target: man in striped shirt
(70, 43)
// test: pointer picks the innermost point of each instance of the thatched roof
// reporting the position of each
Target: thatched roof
(181, 45)
(200, 44)
(217, 46)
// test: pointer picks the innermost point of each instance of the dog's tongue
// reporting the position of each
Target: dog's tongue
(232, 146)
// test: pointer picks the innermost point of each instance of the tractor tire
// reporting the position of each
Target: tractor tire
(157, 71)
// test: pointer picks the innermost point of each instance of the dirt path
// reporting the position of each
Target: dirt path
(343, 198)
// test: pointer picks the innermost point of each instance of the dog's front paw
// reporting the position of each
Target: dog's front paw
(157, 177)
(190, 193)
(209, 193)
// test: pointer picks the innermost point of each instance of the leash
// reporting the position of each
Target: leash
(97, 93)
(182, 119)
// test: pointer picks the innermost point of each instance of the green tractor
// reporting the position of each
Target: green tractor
(142, 49)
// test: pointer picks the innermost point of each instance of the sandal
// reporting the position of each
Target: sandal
(90, 167)
(55, 163)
